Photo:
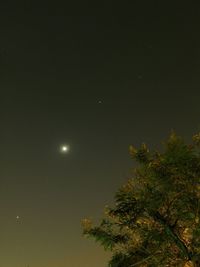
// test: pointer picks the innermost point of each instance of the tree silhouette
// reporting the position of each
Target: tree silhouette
(155, 219)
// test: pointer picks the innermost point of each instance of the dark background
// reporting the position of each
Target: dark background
(98, 76)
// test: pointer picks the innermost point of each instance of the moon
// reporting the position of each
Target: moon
(64, 149)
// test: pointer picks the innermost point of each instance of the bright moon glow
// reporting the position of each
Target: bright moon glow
(64, 148)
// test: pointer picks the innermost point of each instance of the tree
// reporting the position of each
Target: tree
(155, 219)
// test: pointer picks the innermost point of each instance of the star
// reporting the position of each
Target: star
(100, 102)
(17, 217)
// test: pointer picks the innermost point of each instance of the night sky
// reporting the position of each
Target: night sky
(97, 76)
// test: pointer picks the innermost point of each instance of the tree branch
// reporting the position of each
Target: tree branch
(170, 230)
(145, 259)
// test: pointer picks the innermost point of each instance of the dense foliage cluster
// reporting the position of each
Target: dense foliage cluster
(156, 217)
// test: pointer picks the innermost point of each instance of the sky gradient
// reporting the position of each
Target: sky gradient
(98, 77)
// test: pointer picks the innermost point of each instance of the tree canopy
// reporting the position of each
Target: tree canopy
(155, 220)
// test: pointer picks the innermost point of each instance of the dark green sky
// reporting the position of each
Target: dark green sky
(57, 61)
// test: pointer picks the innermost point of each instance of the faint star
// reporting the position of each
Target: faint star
(17, 217)
(100, 102)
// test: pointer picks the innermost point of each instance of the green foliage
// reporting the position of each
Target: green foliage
(155, 219)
